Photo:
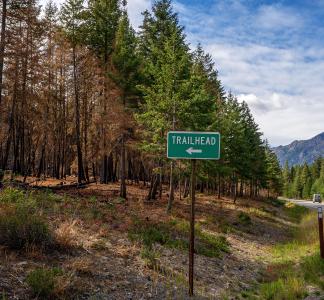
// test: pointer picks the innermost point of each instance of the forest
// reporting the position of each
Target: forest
(90, 205)
(302, 181)
(84, 94)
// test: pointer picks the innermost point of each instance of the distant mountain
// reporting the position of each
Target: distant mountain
(299, 152)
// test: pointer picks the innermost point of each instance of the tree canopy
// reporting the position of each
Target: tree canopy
(84, 94)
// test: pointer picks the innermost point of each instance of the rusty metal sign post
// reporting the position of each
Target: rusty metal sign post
(193, 146)
(192, 227)
(320, 230)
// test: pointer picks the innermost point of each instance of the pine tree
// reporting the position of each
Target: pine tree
(72, 18)
(102, 22)
(306, 181)
(167, 67)
(318, 186)
(2, 44)
(273, 173)
(297, 187)
(286, 180)
(125, 74)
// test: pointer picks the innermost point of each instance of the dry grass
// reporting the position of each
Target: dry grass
(96, 222)
(63, 285)
(81, 265)
(66, 234)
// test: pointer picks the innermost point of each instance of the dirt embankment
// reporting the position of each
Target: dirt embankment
(116, 249)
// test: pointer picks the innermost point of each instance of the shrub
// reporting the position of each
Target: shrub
(292, 288)
(175, 235)
(276, 202)
(19, 228)
(11, 195)
(211, 246)
(295, 212)
(313, 269)
(150, 256)
(244, 218)
(149, 234)
(65, 234)
(42, 281)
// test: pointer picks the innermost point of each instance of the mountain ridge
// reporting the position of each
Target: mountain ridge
(301, 151)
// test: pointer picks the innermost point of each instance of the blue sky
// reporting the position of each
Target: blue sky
(269, 53)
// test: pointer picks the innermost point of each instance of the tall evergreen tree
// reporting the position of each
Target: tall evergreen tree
(167, 67)
(102, 23)
(125, 74)
(286, 180)
(72, 18)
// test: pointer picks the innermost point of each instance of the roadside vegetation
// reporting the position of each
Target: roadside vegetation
(295, 269)
(90, 242)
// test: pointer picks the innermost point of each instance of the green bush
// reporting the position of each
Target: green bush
(175, 235)
(149, 234)
(313, 269)
(295, 212)
(150, 256)
(12, 195)
(212, 246)
(276, 202)
(42, 281)
(20, 228)
(244, 218)
(291, 288)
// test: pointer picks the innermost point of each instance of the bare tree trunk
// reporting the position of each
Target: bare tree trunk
(2, 43)
(219, 186)
(186, 188)
(153, 188)
(77, 120)
(235, 189)
(123, 169)
(171, 192)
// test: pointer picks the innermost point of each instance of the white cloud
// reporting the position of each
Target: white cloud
(264, 56)
(258, 105)
(135, 9)
(276, 17)
(282, 83)
(285, 92)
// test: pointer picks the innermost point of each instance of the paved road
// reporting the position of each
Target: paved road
(308, 204)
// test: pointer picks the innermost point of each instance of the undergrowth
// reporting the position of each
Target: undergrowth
(20, 228)
(22, 224)
(43, 282)
(295, 264)
(174, 234)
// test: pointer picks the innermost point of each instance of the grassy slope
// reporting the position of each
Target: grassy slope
(104, 246)
(295, 268)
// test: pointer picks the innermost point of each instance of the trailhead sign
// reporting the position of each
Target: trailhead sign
(193, 145)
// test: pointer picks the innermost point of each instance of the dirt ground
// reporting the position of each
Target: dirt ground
(105, 264)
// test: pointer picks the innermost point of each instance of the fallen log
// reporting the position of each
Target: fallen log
(57, 187)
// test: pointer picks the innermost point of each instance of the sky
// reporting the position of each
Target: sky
(269, 53)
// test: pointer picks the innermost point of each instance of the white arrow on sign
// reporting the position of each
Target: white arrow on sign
(192, 150)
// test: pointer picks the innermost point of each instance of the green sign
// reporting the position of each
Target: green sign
(193, 145)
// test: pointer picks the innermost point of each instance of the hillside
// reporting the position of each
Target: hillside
(94, 245)
(299, 152)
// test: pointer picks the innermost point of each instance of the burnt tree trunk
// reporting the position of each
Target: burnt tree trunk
(81, 176)
(2, 44)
